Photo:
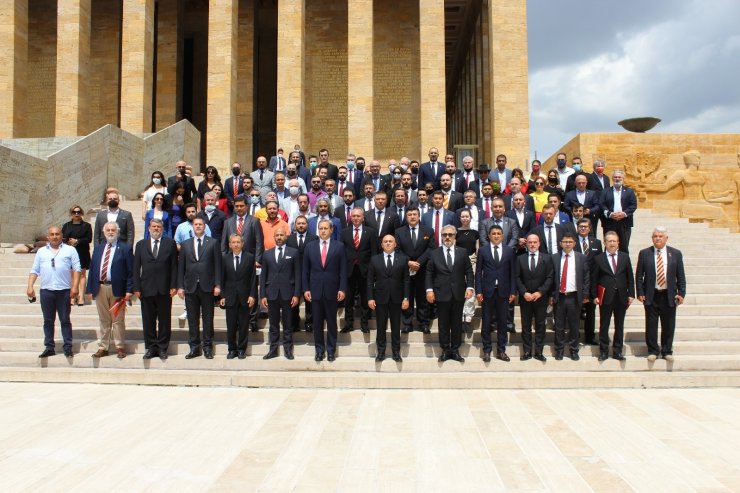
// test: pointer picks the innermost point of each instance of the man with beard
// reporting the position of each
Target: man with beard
(298, 240)
(323, 212)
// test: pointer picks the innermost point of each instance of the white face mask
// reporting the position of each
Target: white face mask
(156, 181)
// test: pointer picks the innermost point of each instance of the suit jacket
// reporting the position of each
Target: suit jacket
(528, 202)
(488, 272)
(205, 271)
(332, 171)
(510, 227)
(272, 165)
(493, 175)
(125, 223)
(583, 276)
(400, 213)
(155, 276)
(265, 184)
(540, 231)
(341, 214)
(336, 232)
(367, 248)
(594, 183)
(449, 284)
(388, 286)
(459, 185)
(121, 269)
(528, 224)
(190, 191)
(675, 276)
(292, 241)
(594, 248)
(473, 178)
(251, 234)
(361, 203)
(384, 183)
(324, 281)
(539, 280)
(281, 281)
(215, 223)
(617, 286)
(455, 202)
(238, 284)
(629, 205)
(389, 226)
(446, 217)
(229, 189)
(563, 219)
(355, 177)
(429, 173)
(592, 202)
(424, 243)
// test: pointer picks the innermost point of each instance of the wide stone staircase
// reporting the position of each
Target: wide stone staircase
(707, 344)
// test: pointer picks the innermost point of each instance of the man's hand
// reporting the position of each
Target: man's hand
(173, 292)
(340, 295)
(529, 297)
(216, 291)
(263, 302)
(307, 296)
(30, 293)
(430, 297)
(512, 297)
(405, 305)
(250, 301)
(414, 266)
(371, 304)
(181, 293)
(679, 299)
(222, 302)
(629, 301)
(74, 292)
(137, 294)
(294, 302)
(641, 299)
(469, 293)
(479, 297)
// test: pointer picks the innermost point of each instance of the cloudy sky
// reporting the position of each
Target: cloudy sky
(595, 62)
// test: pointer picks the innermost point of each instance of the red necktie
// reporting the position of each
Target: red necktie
(236, 185)
(348, 214)
(564, 275)
(106, 261)
(614, 263)
(488, 208)
(240, 226)
(436, 228)
(341, 188)
(323, 254)
(467, 179)
(357, 238)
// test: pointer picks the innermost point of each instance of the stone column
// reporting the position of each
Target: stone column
(509, 107)
(223, 47)
(291, 68)
(13, 59)
(137, 71)
(168, 84)
(73, 59)
(432, 74)
(360, 131)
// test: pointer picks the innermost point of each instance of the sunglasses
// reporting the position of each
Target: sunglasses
(76, 213)
(539, 184)
(447, 234)
(158, 199)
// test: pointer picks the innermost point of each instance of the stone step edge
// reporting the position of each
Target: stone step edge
(353, 380)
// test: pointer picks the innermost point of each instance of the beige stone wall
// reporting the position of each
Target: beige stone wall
(14, 60)
(432, 110)
(325, 91)
(41, 87)
(72, 67)
(291, 64)
(137, 58)
(105, 40)
(244, 87)
(654, 166)
(168, 83)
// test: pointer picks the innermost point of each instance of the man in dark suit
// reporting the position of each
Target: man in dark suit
(155, 283)
(451, 200)
(344, 212)
(618, 206)
(382, 219)
(360, 244)
(280, 287)
(571, 283)
(581, 195)
(388, 290)
(431, 171)
(469, 175)
(534, 283)
(238, 295)
(109, 281)
(438, 217)
(612, 274)
(598, 181)
(515, 187)
(524, 219)
(661, 287)
(324, 284)
(234, 185)
(198, 281)
(298, 240)
(550, 233)
(323, 211)
(483, 177)
(449, 282)
(379, 181)
(181, 177)
(332, 171)
(113, 213)
(416, 241)
(213, 216)
(456, 177)
(247, 227)
(495, 281)
(591, 248)
(366, 201)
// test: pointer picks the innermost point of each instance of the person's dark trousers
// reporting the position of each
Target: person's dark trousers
(356, 286)
(510, 325)
(589, 321)
(308, 314)
(623, 232)
(567, 322)
(494, 308)
(53, 303)
(195, 303)
(449, 321)
(383, 312)
(659, 310)
(418, 300)
(325, 310)
(237, 327)
(277, 311)
(537, 311)
(254, 311)
(618, 310)
(155, 310)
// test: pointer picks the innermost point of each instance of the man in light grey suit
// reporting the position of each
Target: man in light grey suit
(502, 174)
(262, 178)
(508, 224)
(278, 162)
(123, 218)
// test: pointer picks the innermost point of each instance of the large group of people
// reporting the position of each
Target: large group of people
(424, 241)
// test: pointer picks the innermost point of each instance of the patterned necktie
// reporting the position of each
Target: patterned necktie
(155, 250)
(357, 238)
(280, 254)
(488, 208)
(661, 271)
(549, 240)
(240, 225)
(449, 258)
(236, 186)
(436, 228)
(106, 261)
(564, 275)
(584, 247)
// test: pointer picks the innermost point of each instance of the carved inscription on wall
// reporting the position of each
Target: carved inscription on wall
(393, 100)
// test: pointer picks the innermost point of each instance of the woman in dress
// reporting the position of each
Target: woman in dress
(176, 208)
(467, 238)
(210, 180)
(158, 184)
(78, 233)
(221, 202)
(157, 211)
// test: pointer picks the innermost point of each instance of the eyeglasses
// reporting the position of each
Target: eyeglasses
(446, 235)
(76, 213)
(210, 172)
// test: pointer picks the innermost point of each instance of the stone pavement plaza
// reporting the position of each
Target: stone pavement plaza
(70, 437)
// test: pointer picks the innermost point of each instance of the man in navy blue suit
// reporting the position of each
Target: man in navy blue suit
(431, 171)
(582, 195)
(323, 212)
(495, 281)
(110, 280)
(325, 285)
(438, 217)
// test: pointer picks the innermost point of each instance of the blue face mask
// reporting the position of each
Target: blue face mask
(350, 164)
(156, 181)
(254, 199)
(313, 164)
(210, 208)
(561, 163)
(577, 167)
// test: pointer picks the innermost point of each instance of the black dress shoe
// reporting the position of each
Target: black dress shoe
(591, 342)
(288, 353)
(163, 355)
(486, 357)
(603, 356)
(330, 357)
(308, 327)
(208, 353)
(540, 357)
(426, 330)
(346, 329)
(194, 353)
(444, 356)
(241, 354)
(47, 353)
(231, 355)
(150, 353)
(559, 356)
(619, 357)
(456, 356)
(397, 356)
(525, 356)
(574, 356)
(502, 356)
(271, 354)
(68, 353)
(364, 330)
(319, 357)
(253, 328)
(406, 329)
(380, 357)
